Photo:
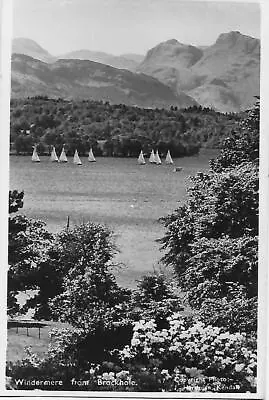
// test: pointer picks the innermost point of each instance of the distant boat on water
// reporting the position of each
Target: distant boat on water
(76, 159)
(178, 169)
(91, 157)
(152, 158)
(53, 156)
(168, 158)
(63, 157)
(157, 157)
(141, 159)
(35, 157)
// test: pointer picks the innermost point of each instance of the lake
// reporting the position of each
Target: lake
(117, 192)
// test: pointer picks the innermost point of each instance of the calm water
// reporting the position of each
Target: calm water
(114, 191)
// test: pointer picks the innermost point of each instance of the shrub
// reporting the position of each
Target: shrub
(168, 359)
(181, 358)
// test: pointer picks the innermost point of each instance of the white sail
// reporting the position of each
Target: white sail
(63, 157)
(141, 159)
(157, 157)
(91, 157)
(35, 157)
(76, 159)
(152, 158)
(53, 156)
(168, 158)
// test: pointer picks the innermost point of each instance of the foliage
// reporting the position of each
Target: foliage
(212, 239)
(84, 257)
(181, 358)
(235, 310)
(166, 359)
(218, 205)
(15, 201)
(104, 313)
(212, 271)
(28, 242)
(114, 130)
(243, 144)
(155, 297)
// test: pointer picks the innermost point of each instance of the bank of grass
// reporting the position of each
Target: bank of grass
(17, 339)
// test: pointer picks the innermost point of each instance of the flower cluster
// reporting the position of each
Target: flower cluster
(196, 356)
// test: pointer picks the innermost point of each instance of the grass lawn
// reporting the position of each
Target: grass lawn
(18, 339)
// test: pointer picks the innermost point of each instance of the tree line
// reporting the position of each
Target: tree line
(114, 130)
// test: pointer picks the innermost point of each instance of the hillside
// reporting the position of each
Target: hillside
(224, 75)
(121, 62)
(81, 79)
(30, 48)
(116, 130)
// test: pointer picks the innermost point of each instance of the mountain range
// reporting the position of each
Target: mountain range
(30, 48)
(84, 79)
(224, 75)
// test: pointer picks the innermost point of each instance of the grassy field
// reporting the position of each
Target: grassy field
(18, 340)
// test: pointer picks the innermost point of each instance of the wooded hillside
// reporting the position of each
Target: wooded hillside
(114, 130)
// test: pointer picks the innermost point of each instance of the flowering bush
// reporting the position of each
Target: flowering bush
(182, 357)
(194, 358)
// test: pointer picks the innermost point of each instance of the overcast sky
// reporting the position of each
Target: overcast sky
(129, 26)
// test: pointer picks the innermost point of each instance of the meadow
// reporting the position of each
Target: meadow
(116, 192)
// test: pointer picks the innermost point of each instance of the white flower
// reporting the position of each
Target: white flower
(135, 342)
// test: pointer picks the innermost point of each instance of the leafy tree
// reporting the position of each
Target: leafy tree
(243, 144)
(27, 245)
(212, 239)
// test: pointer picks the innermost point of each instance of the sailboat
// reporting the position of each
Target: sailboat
(53, 156)
(157, 157)
(141, 159)
(91, 157)
(76, 159)
(63, 157)
(152, 158)
(168, 158)
(35, 157)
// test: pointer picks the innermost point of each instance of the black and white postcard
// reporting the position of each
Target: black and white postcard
(135, 198)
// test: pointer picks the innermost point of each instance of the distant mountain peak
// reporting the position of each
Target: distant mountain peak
(172, 42)
(31, 48)
(232, 37)
(29, 44)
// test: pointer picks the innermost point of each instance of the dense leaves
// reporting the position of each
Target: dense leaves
(28, 242)
(180, 357)
(114, 130)
(212, 239)
(243, 144)
(218, 205)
